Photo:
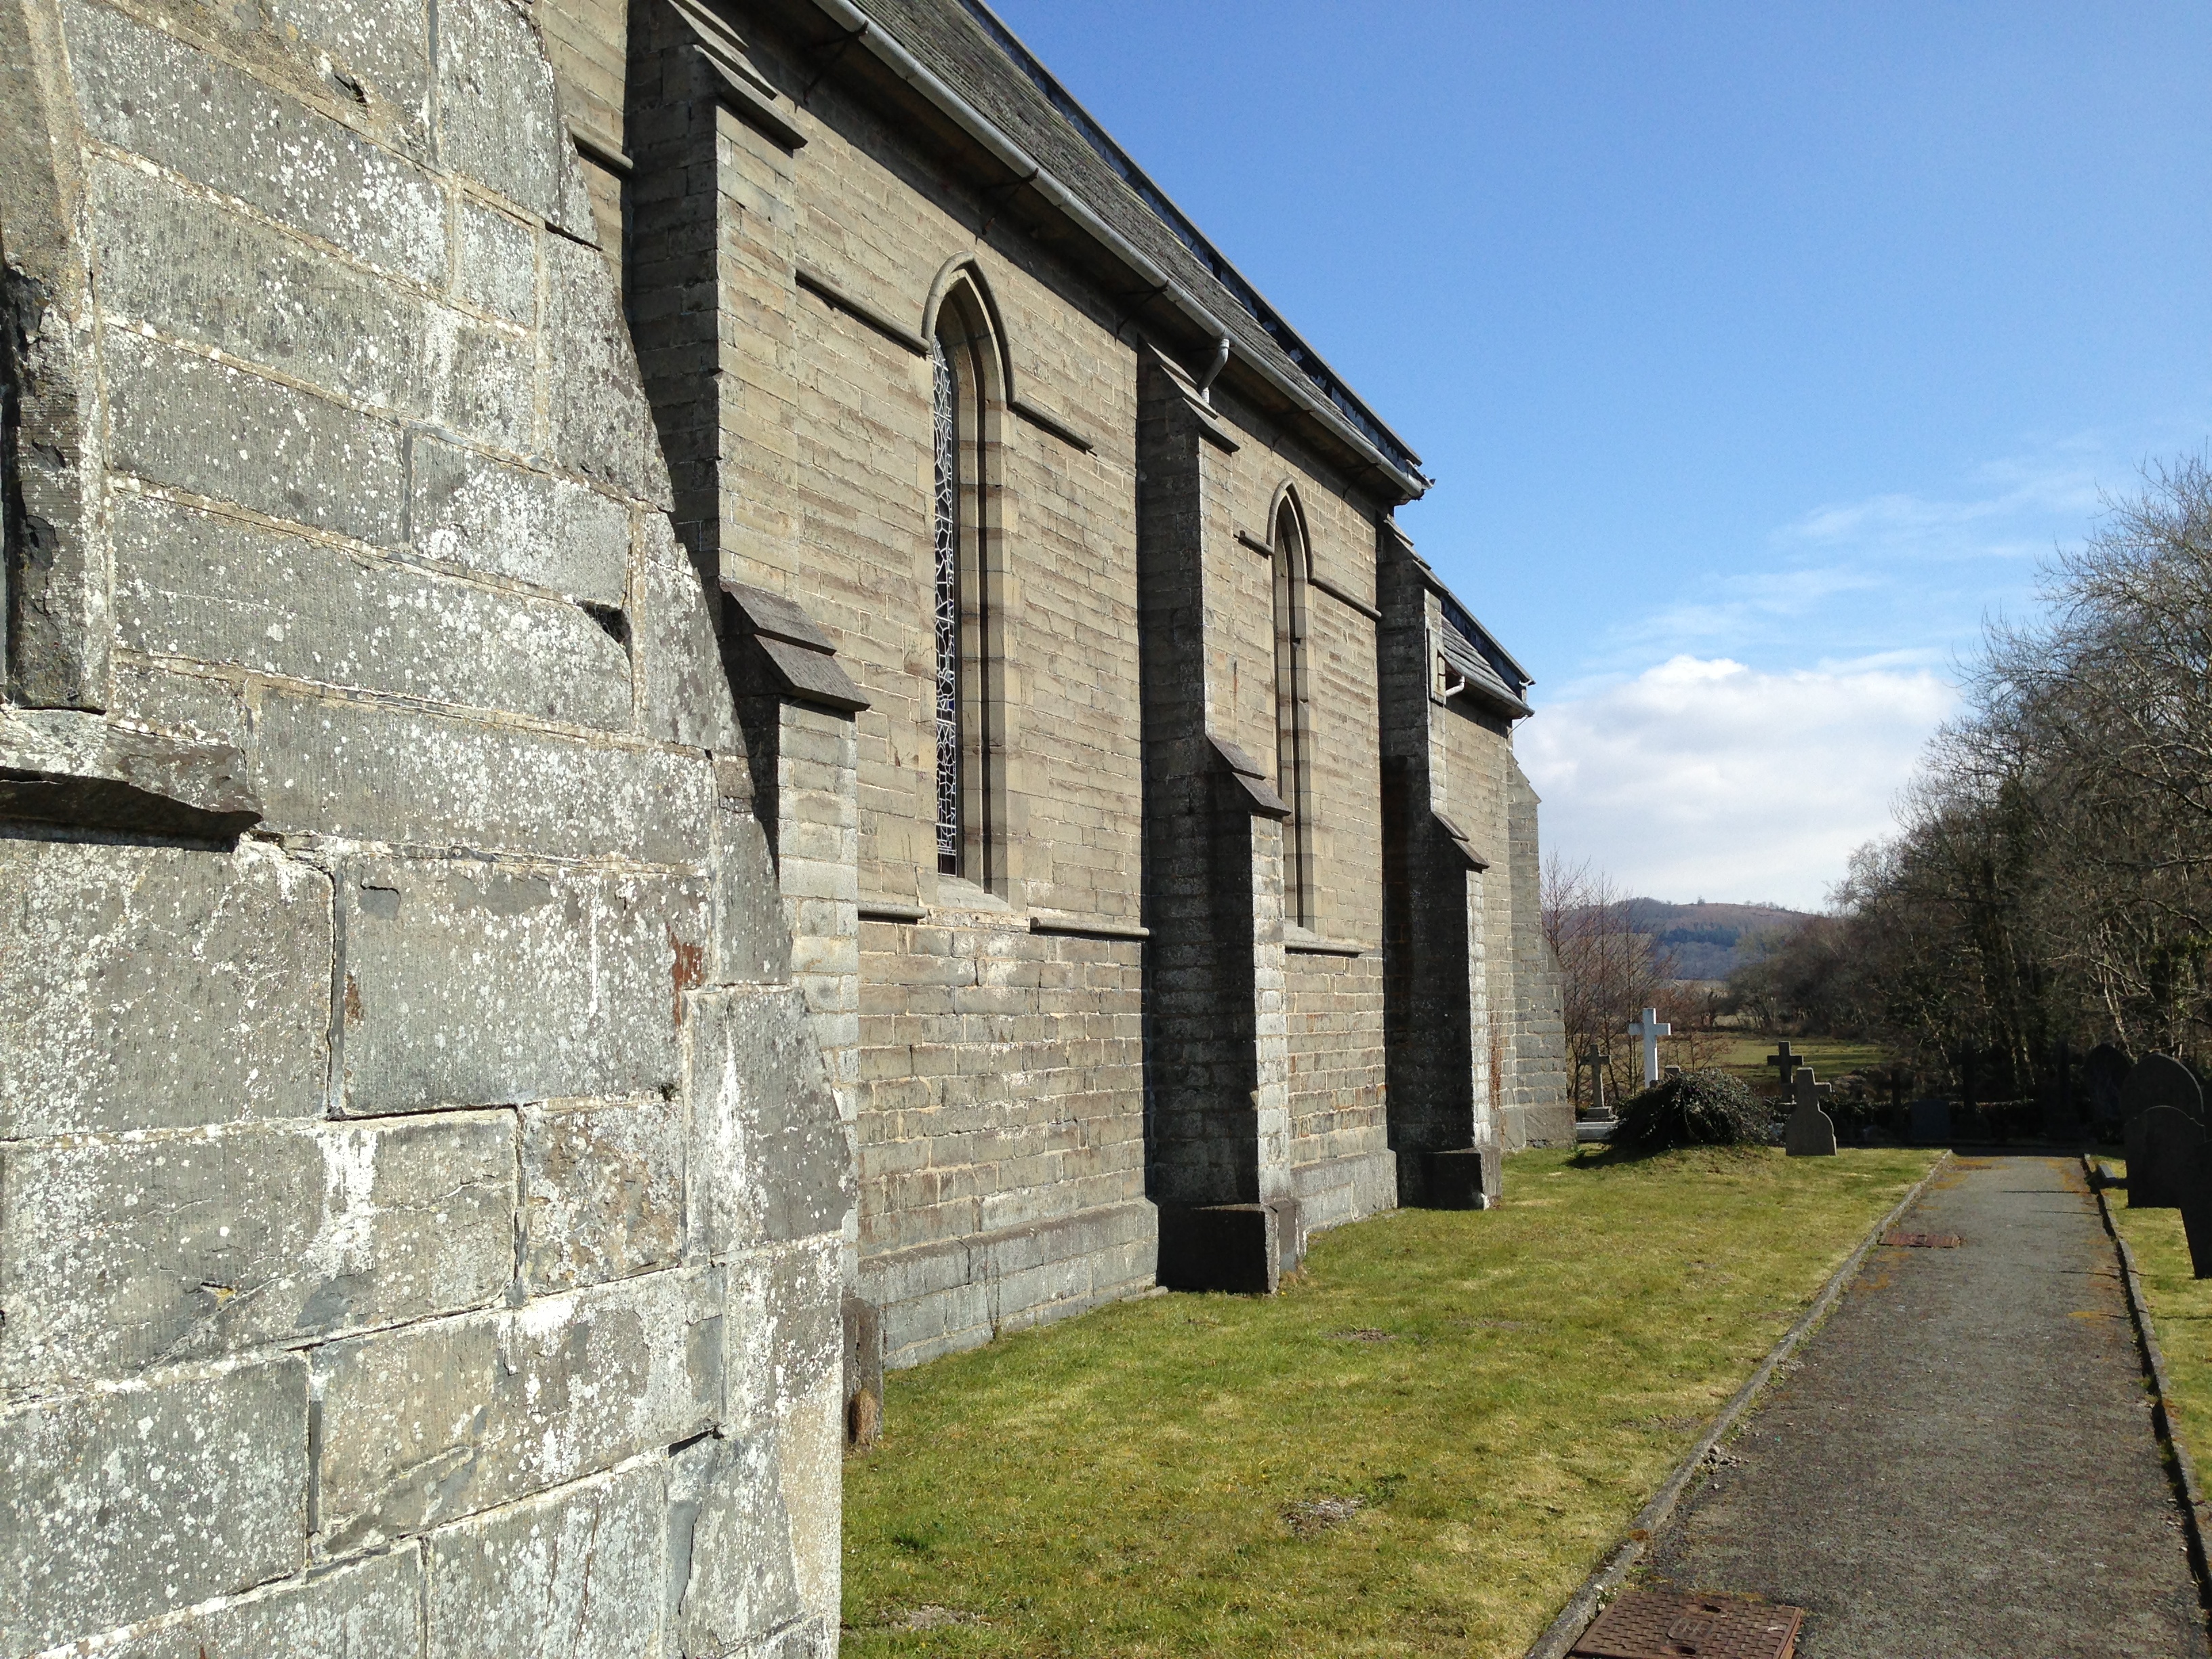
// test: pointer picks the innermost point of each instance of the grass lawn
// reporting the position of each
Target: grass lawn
(1745, 1057)
(2181, 1308)
(1421, 1446)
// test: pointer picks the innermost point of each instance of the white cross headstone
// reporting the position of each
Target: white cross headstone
(1650, 1027)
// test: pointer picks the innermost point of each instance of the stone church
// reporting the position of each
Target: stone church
(694, 701)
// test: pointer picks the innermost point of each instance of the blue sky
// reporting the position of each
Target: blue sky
(1759, 351)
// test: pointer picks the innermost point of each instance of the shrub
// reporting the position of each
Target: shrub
(1695, 1109)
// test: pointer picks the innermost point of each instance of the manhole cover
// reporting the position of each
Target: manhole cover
(1922, 1241)
(1663, 1625)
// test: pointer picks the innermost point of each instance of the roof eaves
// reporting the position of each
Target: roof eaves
(1479, 635)
(1257, 345)
(1180, 224)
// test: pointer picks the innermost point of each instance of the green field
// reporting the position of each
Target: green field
(1420, 1447)
(1829, 1057)
(2181, 1309)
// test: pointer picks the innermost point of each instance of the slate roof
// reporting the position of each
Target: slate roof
(966, 45)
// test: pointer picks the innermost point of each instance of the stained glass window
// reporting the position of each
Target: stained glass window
(1293, 719)
(947, 545)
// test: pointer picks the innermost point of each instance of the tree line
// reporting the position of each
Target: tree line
(2050, 886)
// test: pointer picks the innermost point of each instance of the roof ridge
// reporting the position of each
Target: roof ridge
(1216, 264)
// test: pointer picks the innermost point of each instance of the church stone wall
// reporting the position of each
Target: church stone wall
(1537, 1091)
(793, 220)
(427, 1215)
(997, 1056)
(1332, 987)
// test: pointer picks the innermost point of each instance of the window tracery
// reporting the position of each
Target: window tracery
(946, 542)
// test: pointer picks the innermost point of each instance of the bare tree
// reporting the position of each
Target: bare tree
(2053, 879)
(1609, 971)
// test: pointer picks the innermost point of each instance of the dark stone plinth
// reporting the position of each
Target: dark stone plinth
(1463, 1178)
(1238, 1248)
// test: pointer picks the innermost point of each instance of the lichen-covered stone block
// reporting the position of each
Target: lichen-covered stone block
(193, 584)
(369, 1609)
(472, 983)
(123, 1254)
(783, 1329)
(121, 1504)
(602, 1191)
(432, 1422)
(686, 690)
(770, 1160)
(194, 707)
(498, 262)
(182, 263)
(752, 939)
(811, 1428)
(158, 987)
(602, 426)
(579, 1573)
(730, 1568)
(481, 381)
(384, 45)
(376, 771)
(217, 431)
(142, 90)
(498, 119)
(186, 265)
(470, 509)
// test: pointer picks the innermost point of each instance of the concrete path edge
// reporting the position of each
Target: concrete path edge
(2183, 1467)
(1583, 1605)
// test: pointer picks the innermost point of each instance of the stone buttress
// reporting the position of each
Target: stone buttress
(1217, 1063)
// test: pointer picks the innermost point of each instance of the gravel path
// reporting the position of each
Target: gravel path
(1961, 1463)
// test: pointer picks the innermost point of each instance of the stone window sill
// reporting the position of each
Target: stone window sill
(1304, 942)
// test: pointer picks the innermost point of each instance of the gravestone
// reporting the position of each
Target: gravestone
(2157, 1081)
(2196, 1196)
(2161, 1177)
(1650, 1030)
(1593, 1061)
(2104, 1071)
(1597, 1125)
(1811, 1132)
(1785, 1064)
(1931, 1123)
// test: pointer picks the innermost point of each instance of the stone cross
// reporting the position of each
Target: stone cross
(1810, 1133)
(1594, 1063)
(1784, 1064)
(1650, 1027)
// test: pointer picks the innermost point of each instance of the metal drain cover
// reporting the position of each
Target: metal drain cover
(1922, 1241)
(1665, 1625)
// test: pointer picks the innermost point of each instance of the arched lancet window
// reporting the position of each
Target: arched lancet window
(1293, 715)
(945, 542)
(967, 396)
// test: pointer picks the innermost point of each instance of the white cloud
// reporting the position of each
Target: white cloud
(1702, 778)
(1898, 571)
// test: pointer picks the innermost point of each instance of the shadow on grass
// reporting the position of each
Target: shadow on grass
(1611, 1155)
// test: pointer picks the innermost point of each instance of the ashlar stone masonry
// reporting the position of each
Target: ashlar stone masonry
(424, 1214)
(1161, 879)
(693, 702)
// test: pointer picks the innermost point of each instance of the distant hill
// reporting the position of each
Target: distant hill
(1709, 941)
